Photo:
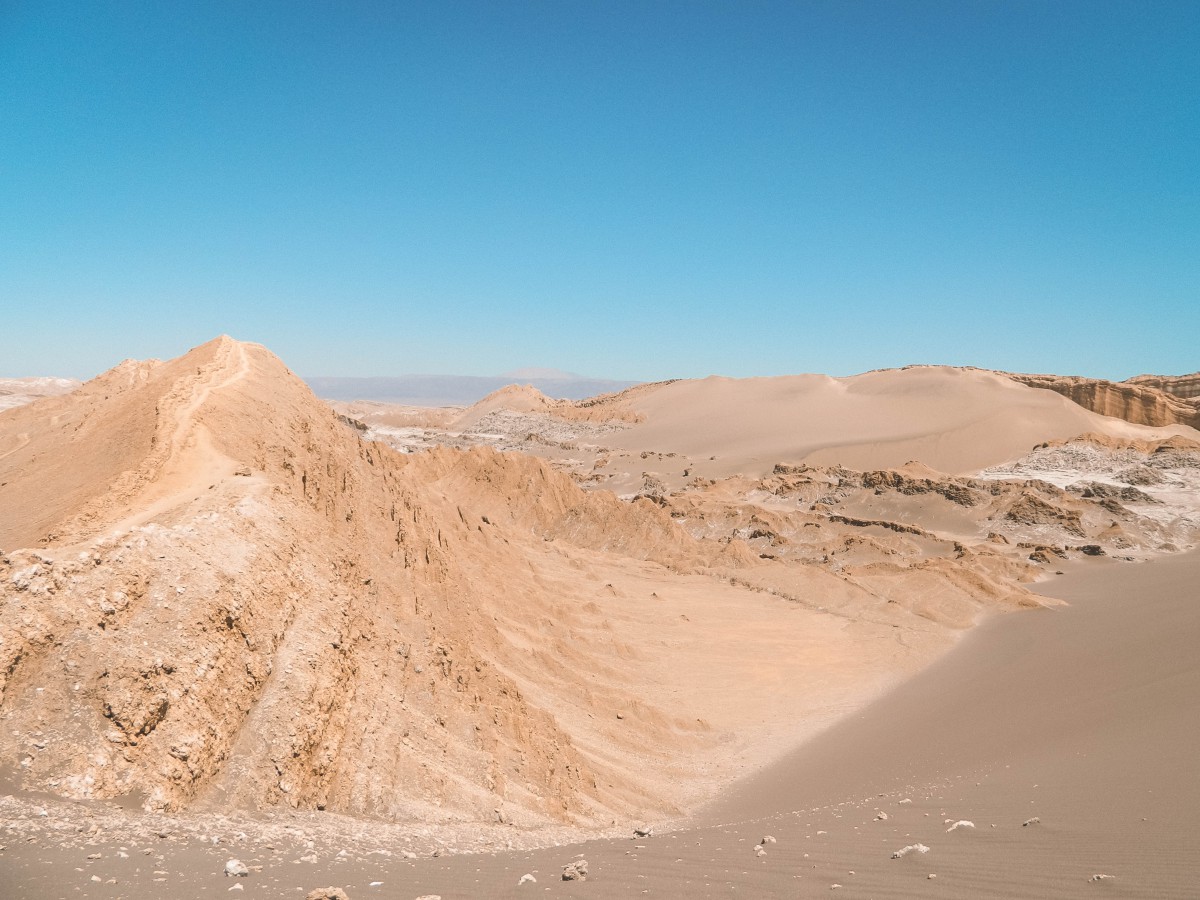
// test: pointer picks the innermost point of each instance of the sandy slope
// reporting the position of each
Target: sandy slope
(1080, 721)
(954, 420)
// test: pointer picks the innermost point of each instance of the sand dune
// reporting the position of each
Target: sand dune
(660, 436)
(954, 420)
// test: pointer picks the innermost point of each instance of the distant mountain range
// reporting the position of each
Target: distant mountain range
(460, 390)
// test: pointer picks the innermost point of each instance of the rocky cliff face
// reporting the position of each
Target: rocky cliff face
(1185, 386)
(1146, 400)
(247, 603)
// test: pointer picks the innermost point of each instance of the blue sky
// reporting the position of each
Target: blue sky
(633, 190)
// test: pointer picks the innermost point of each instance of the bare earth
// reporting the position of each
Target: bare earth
(232, 627)
(1080, 721)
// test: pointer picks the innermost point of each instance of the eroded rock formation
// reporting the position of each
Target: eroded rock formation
(1145, 400)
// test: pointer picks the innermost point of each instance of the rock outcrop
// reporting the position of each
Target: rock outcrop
(1146, 400)
(1185, 386)
(301, 636)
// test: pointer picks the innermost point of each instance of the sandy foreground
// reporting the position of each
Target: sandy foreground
(1065, 737)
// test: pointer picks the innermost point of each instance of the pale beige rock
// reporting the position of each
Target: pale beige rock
(328, 893)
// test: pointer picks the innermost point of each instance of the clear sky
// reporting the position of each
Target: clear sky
(633, 190)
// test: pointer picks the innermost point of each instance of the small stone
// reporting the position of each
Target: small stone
(643, 831)
(327, 893)
(526, 879)
(882, 817)
(911, 848)
(930, 876)
(576, 871)
(1100, 877)
(237, 887)
(235, 869)
(97, 878)
(769, 839)
(1032, 821)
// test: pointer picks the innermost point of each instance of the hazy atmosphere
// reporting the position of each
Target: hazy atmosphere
(627, 190)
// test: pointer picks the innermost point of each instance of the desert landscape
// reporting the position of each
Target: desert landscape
(485, 451)
(718, 638)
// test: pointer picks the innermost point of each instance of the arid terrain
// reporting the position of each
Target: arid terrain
(418, 651)
(19, 391)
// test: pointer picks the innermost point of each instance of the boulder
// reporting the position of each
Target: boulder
(576, 871)
(235, 869)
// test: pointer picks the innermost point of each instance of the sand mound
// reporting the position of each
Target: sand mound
(656, 436)
(953, 420)
(515, 397)
(603, 409)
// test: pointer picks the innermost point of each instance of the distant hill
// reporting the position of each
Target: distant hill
(544, 374)
(19, 391)
(460, 390)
